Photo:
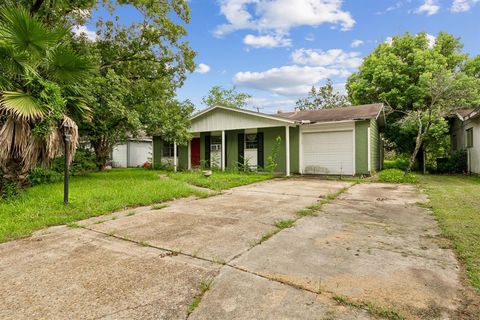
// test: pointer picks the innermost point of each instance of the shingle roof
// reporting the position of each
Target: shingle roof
(464, 112)
(361, 112)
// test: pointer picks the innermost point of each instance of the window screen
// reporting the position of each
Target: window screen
(167, 149)
(470, 138)
(251, 141)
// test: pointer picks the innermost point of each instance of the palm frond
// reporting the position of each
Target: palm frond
(25, 32)
(67, 66)
(21, 105)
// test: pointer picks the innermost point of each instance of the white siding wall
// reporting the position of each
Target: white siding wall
(474, 152)
(131, 154)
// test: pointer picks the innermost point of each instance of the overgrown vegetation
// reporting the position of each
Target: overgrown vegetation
(385, 313)
(272, 160)
(204, 286)
(91, 195)
(218, 180)
(284, 224)
(455, 203)
(396, 176)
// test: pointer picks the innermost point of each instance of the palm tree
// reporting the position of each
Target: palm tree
(39, 93)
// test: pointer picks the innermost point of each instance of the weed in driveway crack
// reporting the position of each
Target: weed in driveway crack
(204, 286)
(284, 224)
(311, 210)
(386, 313)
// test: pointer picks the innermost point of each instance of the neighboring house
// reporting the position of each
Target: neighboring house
(341, 141)
(465, 135)
(134, 152)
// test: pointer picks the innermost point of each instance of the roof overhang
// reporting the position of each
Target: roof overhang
(219, 118)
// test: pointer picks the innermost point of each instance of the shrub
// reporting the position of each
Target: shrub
(8, 190)
(396, 176)
(456, 163)
(83, 163)
(398, 163)
(40, 175)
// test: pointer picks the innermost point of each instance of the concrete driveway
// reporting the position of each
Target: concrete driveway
(373, 245)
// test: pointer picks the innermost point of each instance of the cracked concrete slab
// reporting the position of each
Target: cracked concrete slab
(220, 228)
(372, 244)
(240, 295)
(66, 273)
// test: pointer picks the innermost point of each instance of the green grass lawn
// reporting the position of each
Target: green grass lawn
(91, 195)
(456, 204)
(219, 180)
(104, 192)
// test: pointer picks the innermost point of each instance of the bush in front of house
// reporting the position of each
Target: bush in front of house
(83, 163)
(396, 176)
(398, 163)
(41, 175)
(456, 163)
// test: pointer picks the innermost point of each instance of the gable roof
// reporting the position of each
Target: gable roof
(361, 112)
(467, 113)
(243, 111)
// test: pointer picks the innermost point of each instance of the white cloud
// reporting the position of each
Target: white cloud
(202, 68)
(79, 30)
(333, 58)
(311, 67)
(431, 40)
(267, 41)
(280, 16)
(463, 5)
(288, 80)
(271, 104)
(357, 43)
(430, 7)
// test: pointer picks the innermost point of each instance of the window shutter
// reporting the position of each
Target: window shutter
(260, 150)
(207, 151)
(241, 144)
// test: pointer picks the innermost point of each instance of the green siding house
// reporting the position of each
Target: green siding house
(341, 141)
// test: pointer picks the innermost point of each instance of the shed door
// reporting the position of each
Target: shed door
(328, 152)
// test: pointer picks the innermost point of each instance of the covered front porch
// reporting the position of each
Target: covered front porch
(233, 139)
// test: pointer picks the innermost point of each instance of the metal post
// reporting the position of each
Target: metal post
(66, 169)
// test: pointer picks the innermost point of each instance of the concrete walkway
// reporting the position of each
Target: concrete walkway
(373, 245)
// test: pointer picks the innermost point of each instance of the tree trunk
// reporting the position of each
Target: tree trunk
(418, 145)
(103, 151)
(15, 174)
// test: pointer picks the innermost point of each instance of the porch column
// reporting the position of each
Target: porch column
(174, 156)
(223, 150)
(189, 163)
(287, 150)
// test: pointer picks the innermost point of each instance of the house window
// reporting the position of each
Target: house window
(251, 141)
(167, 149)
(469, 138)
(215, 143)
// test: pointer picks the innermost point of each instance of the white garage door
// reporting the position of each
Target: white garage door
(328, 152)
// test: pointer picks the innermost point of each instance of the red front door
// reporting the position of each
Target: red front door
(195, 152)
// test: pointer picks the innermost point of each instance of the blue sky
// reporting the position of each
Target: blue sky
(276, 49)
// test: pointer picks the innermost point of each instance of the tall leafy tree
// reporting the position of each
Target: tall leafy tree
(419, 81)
(231, 98)
(143, 64)
(40, 92)
(325, 97)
